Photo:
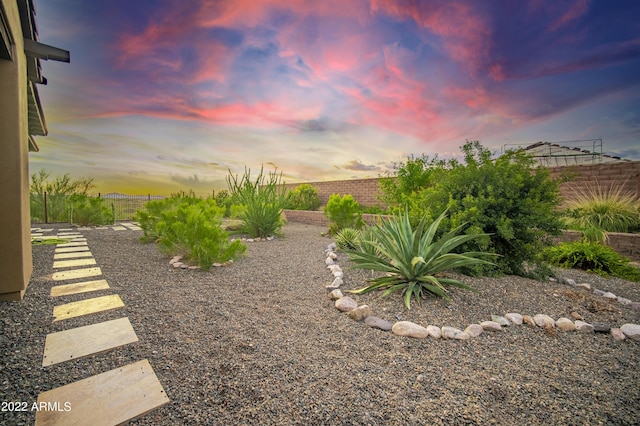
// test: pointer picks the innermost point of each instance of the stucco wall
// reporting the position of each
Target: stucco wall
(15, 244)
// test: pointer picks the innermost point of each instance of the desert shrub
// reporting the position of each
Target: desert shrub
(343, 212)
(90, 211)
(264, 199)
(304, 197)
(372, 210)
(502, 199)
(592, 257)
(609, 209)
(347, 238)
(413, 259)
(236, 211)
(189, 226)
(58, 192)
(408, 179)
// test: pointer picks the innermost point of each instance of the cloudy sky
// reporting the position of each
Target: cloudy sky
(166, 95)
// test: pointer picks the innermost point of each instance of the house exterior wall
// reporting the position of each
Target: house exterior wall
(15, 244)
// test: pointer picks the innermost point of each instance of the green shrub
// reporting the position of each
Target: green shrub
(609, 209)
(90, 211)
(343, 212)
(347, 238)
(591, 257)
(512, 207)
(187, 226)
(264, 199)
(58, 192)
(236, 211)
(304, 197)
(412, 259)
(372, 210)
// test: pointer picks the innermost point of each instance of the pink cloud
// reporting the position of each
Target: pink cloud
(578, 9)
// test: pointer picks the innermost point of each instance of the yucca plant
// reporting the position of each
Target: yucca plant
(347, 238)
(610, 209)
(411, 260)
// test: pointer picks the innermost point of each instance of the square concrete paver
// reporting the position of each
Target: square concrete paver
(78, 244)
(85, 307)
(76, 273)
(109, 398)
(72, 255)
(83, 287)
(82, 341)
(118, 228)
(73, 263)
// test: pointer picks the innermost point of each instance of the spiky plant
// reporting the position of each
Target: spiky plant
(347, 238)
(412, 260)
(608, 208)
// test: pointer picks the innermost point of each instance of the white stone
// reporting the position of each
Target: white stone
(434, 331)
(583, 327)
(409, 329)
(337, 282)
(338, 274)
(609, 295)
(490, 326)
(624, 301)
(586, 286)
(617, 334)
(565, 324)
(632, 331)
(177, 265)
(543, 320)
(332, 255)
(500, 320)
(335, 294)
(329, 261)
(360, 313)
(474, 330)
(175, 259)
(334, 268)
(514, 317)
(346, 304)
(454, 333)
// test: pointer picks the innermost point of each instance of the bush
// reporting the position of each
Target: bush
(610, 210)
(90, 211)
(189, 227)
(264, 199)
(412, 260)
(304, 197)
(513, 208)
(58, 192)
(591, 257)
(343, 212)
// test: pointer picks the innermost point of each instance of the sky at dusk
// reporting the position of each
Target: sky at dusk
(170, 94)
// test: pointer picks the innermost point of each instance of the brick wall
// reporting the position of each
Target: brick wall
(364, 191)
(318, 218)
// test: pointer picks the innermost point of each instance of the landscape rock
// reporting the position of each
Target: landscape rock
(216, 265)
(543, 320)
(598, 292)
(565, 324)
(434, 331)
(409, 329)
(332, 255)
(474, 330)
(624, 301)
(329, 261)
(335, 294)
(177, 265)
(618, 334)
(175, 259)
(583, 327)
(586, 286)
(568, 281)
(332, 247)
(500, 320)
(609, 295)
(634, 305)
(528, 320)
(632, 331)
(337, 282)
(600, 327)
(360, 313)
(514, 317)
(376, 322)
(454, 333)
(338, 274)
(490, 326)
(334, 268)
(576, 316)
(346, 304)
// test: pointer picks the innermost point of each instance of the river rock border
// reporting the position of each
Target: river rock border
(495, 324)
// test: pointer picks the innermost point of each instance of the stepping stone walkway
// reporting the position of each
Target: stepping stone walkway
(496, 324)
(112, 397)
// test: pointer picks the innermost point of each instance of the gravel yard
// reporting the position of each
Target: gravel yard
(260, 343)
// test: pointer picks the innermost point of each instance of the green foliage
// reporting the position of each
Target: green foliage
(237, 210)
(304, 197)
(502, 199)
(591, 257)
(347, 238)
(343, 212)
(409, 178)
(58, 191)
(609, 209)
(264, 199)
(372, 210)
(40, 241)
(413, 259)
(190, 227)
(90, 211)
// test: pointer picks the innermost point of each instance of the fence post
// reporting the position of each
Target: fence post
(148, 197)
(44, 200)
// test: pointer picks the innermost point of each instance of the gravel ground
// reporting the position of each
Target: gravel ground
(260, 343)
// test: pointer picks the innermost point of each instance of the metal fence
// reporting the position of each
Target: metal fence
(53, 208)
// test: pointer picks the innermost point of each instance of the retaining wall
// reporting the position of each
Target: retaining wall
(627, 245)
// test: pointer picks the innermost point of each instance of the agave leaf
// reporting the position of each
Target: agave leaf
(417, 259)
(393, 288)
(456, 283)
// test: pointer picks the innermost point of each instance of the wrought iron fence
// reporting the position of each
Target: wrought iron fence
(52, 208)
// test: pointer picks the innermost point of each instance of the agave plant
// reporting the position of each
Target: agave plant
(411, 260)
(347, 238)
